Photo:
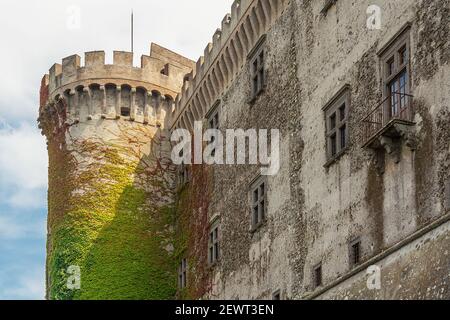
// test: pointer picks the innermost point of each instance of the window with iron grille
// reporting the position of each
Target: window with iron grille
(317, 276)
(213, 245)
(182, 274)
(395, 61)
(257, 71)
(258, 203)
(355, 253)
(336, 115)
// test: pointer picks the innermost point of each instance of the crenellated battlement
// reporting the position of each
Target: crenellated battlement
(224, 57)
(110, 91)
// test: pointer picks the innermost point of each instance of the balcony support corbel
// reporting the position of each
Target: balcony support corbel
(393, 147)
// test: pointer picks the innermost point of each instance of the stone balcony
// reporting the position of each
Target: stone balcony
(390, 123)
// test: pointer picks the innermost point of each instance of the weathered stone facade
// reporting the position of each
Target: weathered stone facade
(393, 202)
(388, 190)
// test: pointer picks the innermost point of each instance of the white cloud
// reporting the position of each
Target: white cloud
(35, 36)
(9, 229)
(30, 285)
(23, 157)
(13, 228)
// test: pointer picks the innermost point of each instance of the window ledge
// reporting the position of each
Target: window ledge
(336, 158)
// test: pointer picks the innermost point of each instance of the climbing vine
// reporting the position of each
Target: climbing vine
(192, 232)
(110, 212)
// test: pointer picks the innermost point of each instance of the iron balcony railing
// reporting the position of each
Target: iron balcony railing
(398, 106)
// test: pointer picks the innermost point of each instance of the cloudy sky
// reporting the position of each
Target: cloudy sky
(35, 35)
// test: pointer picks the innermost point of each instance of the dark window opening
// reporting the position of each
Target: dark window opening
(213, 246)
(165, 70)
(318, 276)
(355, 253)
(258, 204)
(125, 112)
(213, 123)
(182, 274)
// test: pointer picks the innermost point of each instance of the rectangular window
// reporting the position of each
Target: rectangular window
(317, 276)
(213, 123)
(395, 60)
(258, 203)
(257, 71)
(355, 253)
(213, 245)
(182, 274)
(336, 114)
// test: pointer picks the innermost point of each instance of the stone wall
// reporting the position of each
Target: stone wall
(396, 206)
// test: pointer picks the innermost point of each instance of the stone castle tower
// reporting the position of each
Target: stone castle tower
(360, 208)
(110, 177)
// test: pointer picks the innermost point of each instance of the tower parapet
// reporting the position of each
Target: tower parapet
(111, 178)
(97, 90)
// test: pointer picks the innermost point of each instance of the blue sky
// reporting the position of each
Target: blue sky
(35, 35)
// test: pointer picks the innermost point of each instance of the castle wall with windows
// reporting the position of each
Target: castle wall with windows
(362, 192)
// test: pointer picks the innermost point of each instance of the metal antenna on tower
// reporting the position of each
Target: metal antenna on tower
(132, 31)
